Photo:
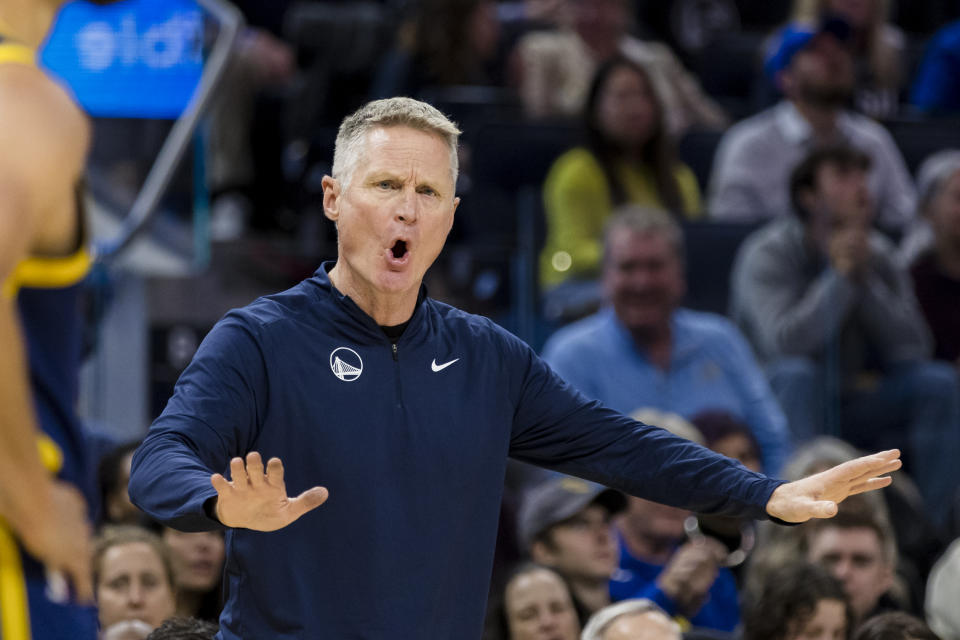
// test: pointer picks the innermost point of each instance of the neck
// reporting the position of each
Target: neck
(188, 602)
(947, 255)
(601, 47)
(592, 593)
(823, 120)
(656, 342)
(27, 20)
(387, 310)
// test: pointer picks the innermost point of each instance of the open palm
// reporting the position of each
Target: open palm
(817, 496)
(257, 499)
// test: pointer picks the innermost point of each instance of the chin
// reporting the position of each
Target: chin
(398, 281)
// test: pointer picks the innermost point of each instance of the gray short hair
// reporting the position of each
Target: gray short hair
(933, 174)
(390, 112)
(602, 619)
(644, 219)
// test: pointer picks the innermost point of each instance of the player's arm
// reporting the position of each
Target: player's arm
(44, 140)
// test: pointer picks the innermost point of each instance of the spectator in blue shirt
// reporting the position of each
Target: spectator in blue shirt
(936, 88)
(644, 351)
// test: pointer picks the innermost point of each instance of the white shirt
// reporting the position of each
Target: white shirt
(751, 169)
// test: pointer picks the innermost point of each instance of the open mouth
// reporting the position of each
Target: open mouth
(399, 249)
(398, 254)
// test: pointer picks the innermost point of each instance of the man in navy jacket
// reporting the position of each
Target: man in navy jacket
(406, 409)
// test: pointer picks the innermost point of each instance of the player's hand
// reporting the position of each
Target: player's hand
(61, 538)
(254, 499)
(817, 496)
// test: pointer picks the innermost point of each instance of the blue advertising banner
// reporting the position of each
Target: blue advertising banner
(132, 59)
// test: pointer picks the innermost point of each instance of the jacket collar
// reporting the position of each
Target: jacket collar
(321, 277)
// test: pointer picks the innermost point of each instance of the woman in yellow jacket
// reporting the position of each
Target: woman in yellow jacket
(627, 158)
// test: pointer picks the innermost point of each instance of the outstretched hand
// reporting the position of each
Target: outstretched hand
(254, 499)
(817, 496)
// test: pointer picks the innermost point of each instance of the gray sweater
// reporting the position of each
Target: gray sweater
(789, 302)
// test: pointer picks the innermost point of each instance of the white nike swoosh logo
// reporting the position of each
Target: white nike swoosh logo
(440, 367)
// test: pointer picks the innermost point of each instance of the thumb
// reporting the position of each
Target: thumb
(823, 509)
(309, 500)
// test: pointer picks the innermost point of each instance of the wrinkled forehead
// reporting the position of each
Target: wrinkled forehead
(400, 148)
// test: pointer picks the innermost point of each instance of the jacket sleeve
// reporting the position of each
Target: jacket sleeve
(212, 417)
(558, 428)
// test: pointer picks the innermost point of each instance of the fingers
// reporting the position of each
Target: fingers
(870, 485)
(255, 470)
(80, 575)
(307, 501)
(219, 483)
(238, 474)
(275, 472)
(889, 459)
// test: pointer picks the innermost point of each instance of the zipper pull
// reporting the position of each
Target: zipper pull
(394, 346)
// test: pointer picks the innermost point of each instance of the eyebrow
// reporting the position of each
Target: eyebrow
(383, 174)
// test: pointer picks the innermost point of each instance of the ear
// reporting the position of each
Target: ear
(331, 197)
(784, 82)
(456, 203)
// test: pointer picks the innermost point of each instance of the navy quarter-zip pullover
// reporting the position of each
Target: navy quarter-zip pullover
(411, 438)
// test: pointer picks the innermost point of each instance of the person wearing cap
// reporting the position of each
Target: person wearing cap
(936, 270)
(813, 69)
(565, 524)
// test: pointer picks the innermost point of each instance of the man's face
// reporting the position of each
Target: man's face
(654, 520)
(649, 625)
(820, 73)
(582, 546)
(944, 213)
(539, 607)
(394, 215)
(840, 201)
(601, 18)
(643, 276)
(855, 557)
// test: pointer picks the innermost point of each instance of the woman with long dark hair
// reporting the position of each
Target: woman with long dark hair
(627, 157)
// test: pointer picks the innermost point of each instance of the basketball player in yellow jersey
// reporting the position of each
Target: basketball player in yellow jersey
(43, 142)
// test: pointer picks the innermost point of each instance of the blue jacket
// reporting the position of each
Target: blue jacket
(637, 578)
(411, 438)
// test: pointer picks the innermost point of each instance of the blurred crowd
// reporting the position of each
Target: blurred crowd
(736, 220)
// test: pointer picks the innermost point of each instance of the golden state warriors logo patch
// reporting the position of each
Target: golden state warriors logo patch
(346, 364)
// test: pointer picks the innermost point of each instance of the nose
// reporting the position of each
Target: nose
(842, 570)
(407, 209)
(135, 595)
(548, 621)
